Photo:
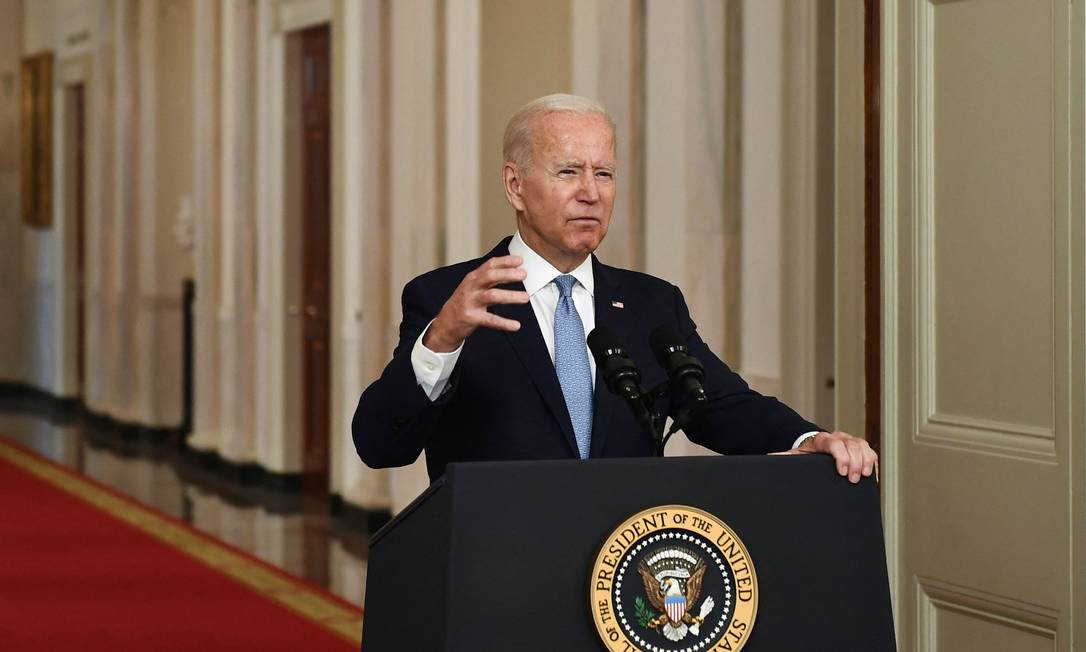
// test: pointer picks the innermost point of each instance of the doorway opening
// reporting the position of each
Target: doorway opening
(872, 228)
(75, 207)
(308, 198)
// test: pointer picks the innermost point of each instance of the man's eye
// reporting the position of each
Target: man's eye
(605, 174)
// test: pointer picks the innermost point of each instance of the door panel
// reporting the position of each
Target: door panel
(76, 155)
(987, 217)
(951, 615)
(982, 416)
(316, 248)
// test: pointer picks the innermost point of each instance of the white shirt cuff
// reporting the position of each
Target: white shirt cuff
(804, 437)
(432, 369)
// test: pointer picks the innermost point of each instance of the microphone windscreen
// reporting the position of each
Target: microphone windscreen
(601, 340)
(663, 339)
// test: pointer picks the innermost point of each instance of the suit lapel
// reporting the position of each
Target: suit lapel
(532, 351)
(604, 403)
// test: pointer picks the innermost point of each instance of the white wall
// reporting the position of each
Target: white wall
(134, 263)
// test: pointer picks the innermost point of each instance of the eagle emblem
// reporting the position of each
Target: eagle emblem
(672, 578)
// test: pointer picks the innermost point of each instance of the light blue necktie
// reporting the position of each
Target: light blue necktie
(571, 363)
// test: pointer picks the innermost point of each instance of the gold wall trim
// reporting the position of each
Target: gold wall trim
(295, 596)
(37, 140)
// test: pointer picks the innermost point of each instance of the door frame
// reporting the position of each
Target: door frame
(866, 295)
(315, 255)
(880, 273)
(279, 393)
(70, 71)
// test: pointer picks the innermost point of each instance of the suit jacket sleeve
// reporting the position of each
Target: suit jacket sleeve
(737, 420)
(394, 418)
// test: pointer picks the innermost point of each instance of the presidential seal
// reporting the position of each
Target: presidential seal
(673, 579)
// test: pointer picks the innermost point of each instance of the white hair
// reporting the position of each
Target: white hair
(519, 133)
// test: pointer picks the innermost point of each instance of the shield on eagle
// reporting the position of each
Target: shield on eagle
(675, 605)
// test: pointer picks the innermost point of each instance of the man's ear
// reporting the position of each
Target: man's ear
(512, 182)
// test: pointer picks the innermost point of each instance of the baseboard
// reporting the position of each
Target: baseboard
(35, 399)
(245, 473)
(132, 438)
(275, 491)
(359, 517)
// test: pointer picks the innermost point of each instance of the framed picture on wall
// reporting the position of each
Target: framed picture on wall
(37, 140)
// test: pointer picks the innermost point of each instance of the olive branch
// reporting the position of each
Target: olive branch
(645, 616)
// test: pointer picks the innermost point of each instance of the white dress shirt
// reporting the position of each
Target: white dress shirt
(433, 369)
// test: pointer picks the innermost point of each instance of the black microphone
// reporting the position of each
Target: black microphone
(617, 368)
(685, 371)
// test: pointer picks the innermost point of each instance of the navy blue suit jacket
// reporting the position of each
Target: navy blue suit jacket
(503, 400)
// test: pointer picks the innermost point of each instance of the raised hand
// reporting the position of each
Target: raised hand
(466, 310)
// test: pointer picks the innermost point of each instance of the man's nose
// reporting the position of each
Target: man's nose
(590, 191)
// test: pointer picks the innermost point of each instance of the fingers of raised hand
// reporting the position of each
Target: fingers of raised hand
(494, 296)
(477, 292)
(478, 315)
(495, 271)
(490, 320)
(499, 275)
(502, 261)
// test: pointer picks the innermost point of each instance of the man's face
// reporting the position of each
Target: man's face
(564, 199)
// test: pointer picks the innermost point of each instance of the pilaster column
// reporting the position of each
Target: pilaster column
(414, 220)
(462, 30)
(360, 312)
(277, 414)
(158, 334)
(122, 289)
(148, 254)
(684, 158)
(760, 348)
(665, 138)
(807, 321)
(99, 161)
(607, 66)
(849, 374)
(206, 416)
(236, 300)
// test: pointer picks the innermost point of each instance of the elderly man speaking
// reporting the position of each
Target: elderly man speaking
(492, 362)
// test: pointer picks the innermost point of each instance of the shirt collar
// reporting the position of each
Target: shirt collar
(540, 272)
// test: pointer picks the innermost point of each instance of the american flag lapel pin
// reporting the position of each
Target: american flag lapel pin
(617, 304)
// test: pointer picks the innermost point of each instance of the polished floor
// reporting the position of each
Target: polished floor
(286, 529)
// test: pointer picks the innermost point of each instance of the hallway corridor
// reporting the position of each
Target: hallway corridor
(285, 529)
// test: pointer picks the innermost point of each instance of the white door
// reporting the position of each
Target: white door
(983, 306)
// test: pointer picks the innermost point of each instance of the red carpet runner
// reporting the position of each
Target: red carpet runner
(84, 568)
